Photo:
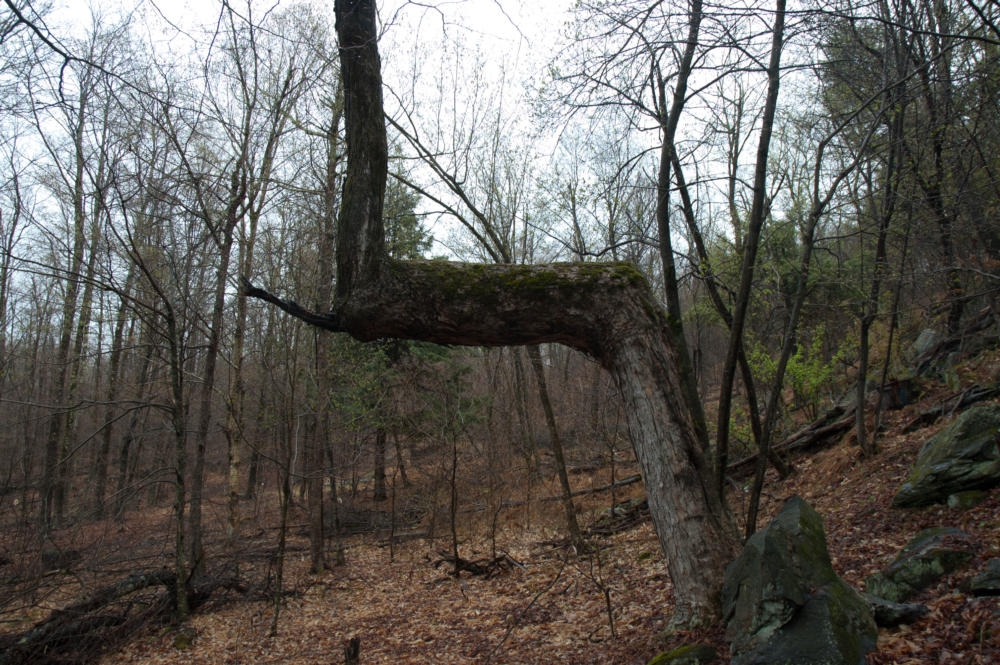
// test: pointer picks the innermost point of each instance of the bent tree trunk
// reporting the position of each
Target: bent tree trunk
(606, 311)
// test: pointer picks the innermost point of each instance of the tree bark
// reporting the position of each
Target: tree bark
(669, 120)
(381, 439)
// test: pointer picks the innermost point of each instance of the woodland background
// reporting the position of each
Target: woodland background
(806, 237)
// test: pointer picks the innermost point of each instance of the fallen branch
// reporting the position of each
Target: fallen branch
(820, 433)
(86, 627)
(480, 567)
(956, 403)
(620, 517)
(628, 480)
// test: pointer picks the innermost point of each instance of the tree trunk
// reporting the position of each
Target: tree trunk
(669, 120)
(379, 493)
(576, 536)
(758, 214)
(212, 349)
(313, 440)
(604, 310)
(100, 478)
(51, 492)
(179, 422)
(323, 361)
(86, 310)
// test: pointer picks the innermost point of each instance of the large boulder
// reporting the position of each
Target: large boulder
(783, 602)
(931, 554)
(964, 455)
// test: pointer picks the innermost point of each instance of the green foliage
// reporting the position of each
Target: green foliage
(405, 235)
(740, 432)
(451, 402)
(761, 363)
(359, 381)
(809, 373)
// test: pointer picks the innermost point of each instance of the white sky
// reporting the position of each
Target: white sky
(502, 43)
(507, 25)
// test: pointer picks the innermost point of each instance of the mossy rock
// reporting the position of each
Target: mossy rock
(930, 555)
(966, 500)
(783, 602)
(691, 654)
(987, 581)
(889, 614)
(963, 456)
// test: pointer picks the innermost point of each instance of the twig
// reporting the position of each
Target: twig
(513, 623)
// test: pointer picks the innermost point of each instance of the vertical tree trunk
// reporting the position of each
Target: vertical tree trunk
(323, 362)
(707, 274)
(379, 492)
(179, 423)
(758, 214)
(111, 396)
(128, 436)
(58, 424)
(237, 393)
(80, 337)
(669, 121)
(314, 476)
(212, 347)
(868, 445)
(527, 431)
(575, 535)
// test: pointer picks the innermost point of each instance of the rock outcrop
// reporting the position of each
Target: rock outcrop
(889, 614)
(783, 602)
(931, 554)
(963, 456)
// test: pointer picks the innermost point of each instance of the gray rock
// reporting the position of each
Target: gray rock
(931, 554)
(783, 602)
(963, 456)
(926, 340)
(965, 500)
(889, 614)
(987, 581)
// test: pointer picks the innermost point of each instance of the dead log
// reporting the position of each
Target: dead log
(825, 431)
(621, 517)
(87, 627)
(81, 626)
(628, 480)
(954, 404)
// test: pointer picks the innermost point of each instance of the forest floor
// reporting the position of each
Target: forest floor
(555, 605)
